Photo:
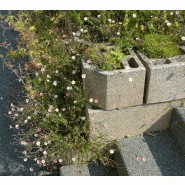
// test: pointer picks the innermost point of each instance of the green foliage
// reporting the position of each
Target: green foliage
(159, 46)
(53, 118)
(105, 57)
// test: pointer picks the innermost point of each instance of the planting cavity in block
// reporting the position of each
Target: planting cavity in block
(115, 89)
(165, 78)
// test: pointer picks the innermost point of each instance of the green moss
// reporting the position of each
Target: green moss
(104, 57)
(159, 46)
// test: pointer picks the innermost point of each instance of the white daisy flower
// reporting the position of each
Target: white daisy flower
(29, 117)
(176, 12)
(69, 88)
(90, 100)
(43, 161)
(183, 37)
(25, 159)
(109, 20)
(73, 57)
(55, 83)
(60, 160)
(85, 31)
(35, 159)
(134, 15)
(99, 16)
(56, 71)
(23, 143)
(118, 33)
(44, 152)
(37, 74)
(111, 151)
(9, 112)
(25, 121)
(56, 110)
(75, 101)
(55, 96)
(83, 75)
(85, 18)
(21, 109)
(49, 110)
(27, 100)
(48, 80)
(73, 82)
(48, 76)
(43, 69)
(45, 143)
(73, 159)
(83, 118)
(81, 30)
(38, 143)
(49, 142)
(169, 24)
(10, 126)
(17, 126)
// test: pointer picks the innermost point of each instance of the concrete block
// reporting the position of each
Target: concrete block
(165, 78)
(145, 155)
(116, 124)
(87, 170)
(115, 89)
(178, 125)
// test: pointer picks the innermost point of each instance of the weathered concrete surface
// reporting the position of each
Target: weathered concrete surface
(178, 125)
(87, 170)
(115, 89)
(165, 80)
(158, 155)
(116, 124)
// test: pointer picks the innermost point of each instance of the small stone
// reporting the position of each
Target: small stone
(144, 159)
(138, 158)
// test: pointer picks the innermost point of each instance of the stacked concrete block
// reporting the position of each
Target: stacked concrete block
(132, 121)
(178, 125)
(115, 89)
(165, 78)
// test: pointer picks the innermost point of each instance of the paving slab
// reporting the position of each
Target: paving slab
(178, 125)
(145, 155)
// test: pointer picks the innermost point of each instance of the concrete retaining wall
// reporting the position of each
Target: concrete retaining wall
(117, 124)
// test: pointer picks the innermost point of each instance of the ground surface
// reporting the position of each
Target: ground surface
(11, 162)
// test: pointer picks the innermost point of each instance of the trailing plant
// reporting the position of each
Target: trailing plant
(103, 56)
(51, 121)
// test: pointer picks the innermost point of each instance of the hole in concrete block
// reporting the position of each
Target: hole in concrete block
(132, 63)
(167, 61)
